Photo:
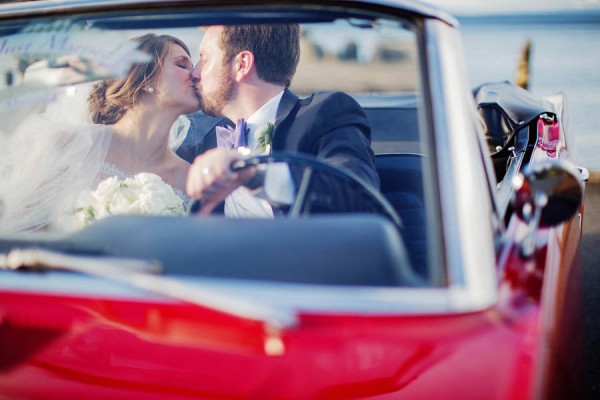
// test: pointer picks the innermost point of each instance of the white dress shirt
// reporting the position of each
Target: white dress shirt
(242, 202)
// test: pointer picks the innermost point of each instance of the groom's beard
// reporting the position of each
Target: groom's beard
(214, 102)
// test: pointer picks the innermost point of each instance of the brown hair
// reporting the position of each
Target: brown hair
(276, 49)
(109, 100)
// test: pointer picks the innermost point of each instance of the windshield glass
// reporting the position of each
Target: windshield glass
(109, 127)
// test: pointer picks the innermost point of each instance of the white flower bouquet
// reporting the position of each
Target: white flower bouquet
(145, 193)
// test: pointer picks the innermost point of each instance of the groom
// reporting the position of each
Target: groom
(244, 71)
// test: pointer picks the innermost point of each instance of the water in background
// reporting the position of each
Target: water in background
(565, 58)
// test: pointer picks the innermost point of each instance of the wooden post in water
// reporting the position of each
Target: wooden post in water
(522, 74)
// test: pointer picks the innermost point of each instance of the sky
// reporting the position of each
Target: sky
(494, 6)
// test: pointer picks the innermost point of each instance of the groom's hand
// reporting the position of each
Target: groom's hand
(210, 178)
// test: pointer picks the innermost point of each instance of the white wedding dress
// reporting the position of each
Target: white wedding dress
(50, 158)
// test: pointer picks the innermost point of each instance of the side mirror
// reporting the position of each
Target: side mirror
(546, 194)
(552, 188)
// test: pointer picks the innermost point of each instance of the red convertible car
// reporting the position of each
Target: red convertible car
(457, 278)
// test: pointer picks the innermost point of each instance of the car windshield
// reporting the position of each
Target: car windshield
(68, 185)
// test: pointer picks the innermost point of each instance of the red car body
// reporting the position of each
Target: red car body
(127, 344)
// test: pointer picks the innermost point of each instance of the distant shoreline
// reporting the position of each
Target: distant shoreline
(582, 16)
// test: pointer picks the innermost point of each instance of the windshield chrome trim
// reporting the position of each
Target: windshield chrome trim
(43, 6)
(466, 211)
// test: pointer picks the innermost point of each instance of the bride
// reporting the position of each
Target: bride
(128, 130)
(141, 109)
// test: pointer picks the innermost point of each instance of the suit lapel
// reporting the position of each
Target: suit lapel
(287, 104)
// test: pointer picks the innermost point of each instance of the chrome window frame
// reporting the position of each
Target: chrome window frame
(467, 211)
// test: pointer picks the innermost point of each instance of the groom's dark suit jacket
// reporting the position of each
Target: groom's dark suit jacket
(329, 125)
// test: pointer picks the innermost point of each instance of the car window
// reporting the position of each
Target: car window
(58, 167)
(378, 65)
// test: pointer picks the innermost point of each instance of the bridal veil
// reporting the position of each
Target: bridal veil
(51, 157)
(48, 159)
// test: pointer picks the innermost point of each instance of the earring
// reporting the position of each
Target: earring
(150, 89)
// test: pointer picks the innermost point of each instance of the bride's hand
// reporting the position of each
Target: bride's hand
(210, 178)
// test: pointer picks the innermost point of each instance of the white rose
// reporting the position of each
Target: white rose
(84, 217)
(125, 201)
(84, 208)
(100, 211)
(85, 200)
(161, 199)
(161, 202)
(146, 178)
(106, 190)
(148, 183)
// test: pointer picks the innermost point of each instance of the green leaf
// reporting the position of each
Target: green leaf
(265, 137)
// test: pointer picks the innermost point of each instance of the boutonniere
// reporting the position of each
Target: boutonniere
(264, 137)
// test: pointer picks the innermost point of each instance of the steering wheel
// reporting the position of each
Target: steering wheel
(365, 197)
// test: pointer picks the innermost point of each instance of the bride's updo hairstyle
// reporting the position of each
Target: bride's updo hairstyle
(109, 100)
